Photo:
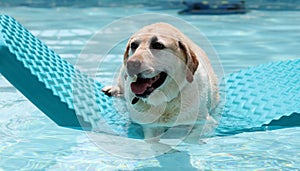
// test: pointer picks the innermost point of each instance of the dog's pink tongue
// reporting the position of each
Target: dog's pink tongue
(140, 87)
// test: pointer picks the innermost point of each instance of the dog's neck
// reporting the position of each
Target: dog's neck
(166, 112)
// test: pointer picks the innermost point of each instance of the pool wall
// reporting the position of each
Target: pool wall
(251, 4)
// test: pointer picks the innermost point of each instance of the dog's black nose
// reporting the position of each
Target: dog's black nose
(133, 67)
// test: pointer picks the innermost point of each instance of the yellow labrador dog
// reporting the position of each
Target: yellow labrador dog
(167, 81)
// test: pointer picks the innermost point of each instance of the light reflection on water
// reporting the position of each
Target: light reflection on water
(29, 140)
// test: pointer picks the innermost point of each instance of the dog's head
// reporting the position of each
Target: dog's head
(158, 63)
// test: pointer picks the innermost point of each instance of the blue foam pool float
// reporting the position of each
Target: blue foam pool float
(257, 98)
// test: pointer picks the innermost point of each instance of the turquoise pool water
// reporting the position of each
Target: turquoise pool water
(30, 141)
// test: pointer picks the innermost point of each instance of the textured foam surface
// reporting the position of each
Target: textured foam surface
(53, 85)
(265, 95)
(256, 97)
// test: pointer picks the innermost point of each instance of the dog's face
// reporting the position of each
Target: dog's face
(158, 63)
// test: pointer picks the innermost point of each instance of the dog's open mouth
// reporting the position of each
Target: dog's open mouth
(145, 86)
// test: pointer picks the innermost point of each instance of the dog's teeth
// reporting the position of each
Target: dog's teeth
(134, 78)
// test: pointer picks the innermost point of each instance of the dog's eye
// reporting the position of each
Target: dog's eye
(134, 45)
(157, 46)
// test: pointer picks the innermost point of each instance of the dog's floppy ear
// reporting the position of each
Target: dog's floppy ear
(191, 61)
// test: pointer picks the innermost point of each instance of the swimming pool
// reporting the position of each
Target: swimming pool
(30, 141)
